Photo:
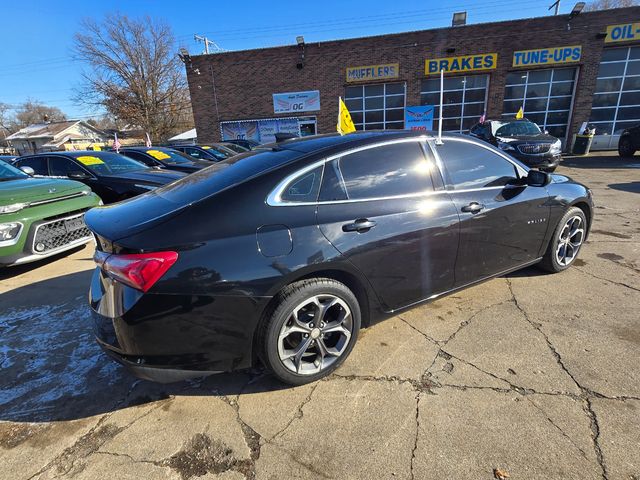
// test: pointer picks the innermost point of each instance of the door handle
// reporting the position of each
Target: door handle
(360, 225)
(473, 207)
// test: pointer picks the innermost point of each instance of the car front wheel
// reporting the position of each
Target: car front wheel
(625, 147)
(311, 331)
(566, 242)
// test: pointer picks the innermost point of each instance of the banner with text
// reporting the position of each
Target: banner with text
(373, 72)
(419, 117)
(293, 102)
(547, 56)
(626, 32)
(465, 63)
(262, 131)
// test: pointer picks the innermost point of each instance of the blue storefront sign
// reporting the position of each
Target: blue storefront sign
(293, 102)
(419, 117)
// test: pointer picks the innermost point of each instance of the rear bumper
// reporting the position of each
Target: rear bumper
(166, 337)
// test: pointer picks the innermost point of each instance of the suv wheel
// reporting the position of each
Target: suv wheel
(566, 241)
(625, 147)
(311, 331)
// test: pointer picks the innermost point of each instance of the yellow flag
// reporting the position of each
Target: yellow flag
(520, 114)
(345, 124)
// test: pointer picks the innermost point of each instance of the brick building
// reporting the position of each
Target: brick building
(564, 71)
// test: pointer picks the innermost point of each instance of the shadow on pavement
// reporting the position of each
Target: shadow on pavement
(632, 187)
(52, 368)
(600, 161)
(8, 272)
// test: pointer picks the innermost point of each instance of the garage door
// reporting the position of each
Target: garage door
(616, 102)
(545, 95)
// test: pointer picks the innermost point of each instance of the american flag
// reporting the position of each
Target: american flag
(147, 142)
(483, 117)
(116, 143)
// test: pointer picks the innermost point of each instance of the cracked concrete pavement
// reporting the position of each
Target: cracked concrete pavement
(534, 374)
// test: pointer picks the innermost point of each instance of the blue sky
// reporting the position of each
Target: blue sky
(36, 61)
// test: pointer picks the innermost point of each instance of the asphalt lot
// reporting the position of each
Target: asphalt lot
(533, 374)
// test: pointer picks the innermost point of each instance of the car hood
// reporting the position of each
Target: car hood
(150, 176)
(28, 190)
(540, 138)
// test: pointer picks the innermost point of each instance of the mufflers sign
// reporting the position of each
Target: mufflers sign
(547, 56)
(372, 72)
(464, 63)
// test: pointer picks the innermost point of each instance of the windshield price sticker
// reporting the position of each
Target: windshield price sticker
(158, 155)
(89, 160)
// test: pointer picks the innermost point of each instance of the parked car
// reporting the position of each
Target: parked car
(113, 177)
(250, 144)
(234, 147)
(164, 158)
(283, 253)
(629, 142)
(206, 152)
(523, 140)
(40, 217)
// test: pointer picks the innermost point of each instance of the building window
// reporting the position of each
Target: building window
(545, 95)
(378, 106)
(463, 102)
(616, 101)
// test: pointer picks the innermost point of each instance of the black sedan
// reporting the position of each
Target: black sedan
(205, 152)
(164, 158)
(629, 142)
(523, 140)
(283, 253)
(113, 177)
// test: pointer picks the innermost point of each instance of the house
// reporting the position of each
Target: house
(55, 136)
(188, 137)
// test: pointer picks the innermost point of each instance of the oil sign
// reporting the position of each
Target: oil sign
(623, 33)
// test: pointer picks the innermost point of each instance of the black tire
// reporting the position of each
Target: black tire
(625, 147)
(550, 261)
(289, 299)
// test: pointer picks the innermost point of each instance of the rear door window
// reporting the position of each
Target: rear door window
(141, 157)
(304, 188)
(62, 167)
(39, 164)
(471, 166)
(386, 171)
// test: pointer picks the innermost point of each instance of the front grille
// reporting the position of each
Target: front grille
(534, 148)
(59, 233)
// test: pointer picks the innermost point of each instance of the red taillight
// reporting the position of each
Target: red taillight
(138, 270)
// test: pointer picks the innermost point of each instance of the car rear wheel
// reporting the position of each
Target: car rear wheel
(311, 331)
(566, 241)
(625, 147)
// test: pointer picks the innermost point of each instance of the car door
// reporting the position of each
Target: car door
(502, 221)
(384, 208)
(60, 166)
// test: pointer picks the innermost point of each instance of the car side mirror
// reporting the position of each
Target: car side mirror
(28, 170)
(536, 178)
(78, 175)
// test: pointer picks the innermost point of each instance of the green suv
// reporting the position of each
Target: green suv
(40, 217)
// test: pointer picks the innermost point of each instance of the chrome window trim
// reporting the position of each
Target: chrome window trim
(274, 198)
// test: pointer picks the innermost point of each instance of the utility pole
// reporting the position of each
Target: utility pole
(216, 48)
(557, 5)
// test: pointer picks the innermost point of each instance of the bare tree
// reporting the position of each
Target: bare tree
(134, 73)
(34, 111)
(607, 4)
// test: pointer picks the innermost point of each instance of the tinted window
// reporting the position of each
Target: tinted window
(39, 164)
(387, 170)
(61, 167)
(304, 188)
(9, 172)
(108, 163)
(141, 157)
(472, 166)
(195, 153)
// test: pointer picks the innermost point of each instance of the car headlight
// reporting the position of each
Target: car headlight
(556, 147)
(505, 146)
(15, 207)
(9, 231)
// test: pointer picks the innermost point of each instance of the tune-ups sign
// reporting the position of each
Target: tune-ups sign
(294, 102)
(547, 56)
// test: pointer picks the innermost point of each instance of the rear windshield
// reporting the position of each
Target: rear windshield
(221, 175)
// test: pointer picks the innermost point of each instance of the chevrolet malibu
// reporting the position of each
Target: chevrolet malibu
(282, 254)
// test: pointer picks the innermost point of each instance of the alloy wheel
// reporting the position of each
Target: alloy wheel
(570, 240)
(315, 335)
